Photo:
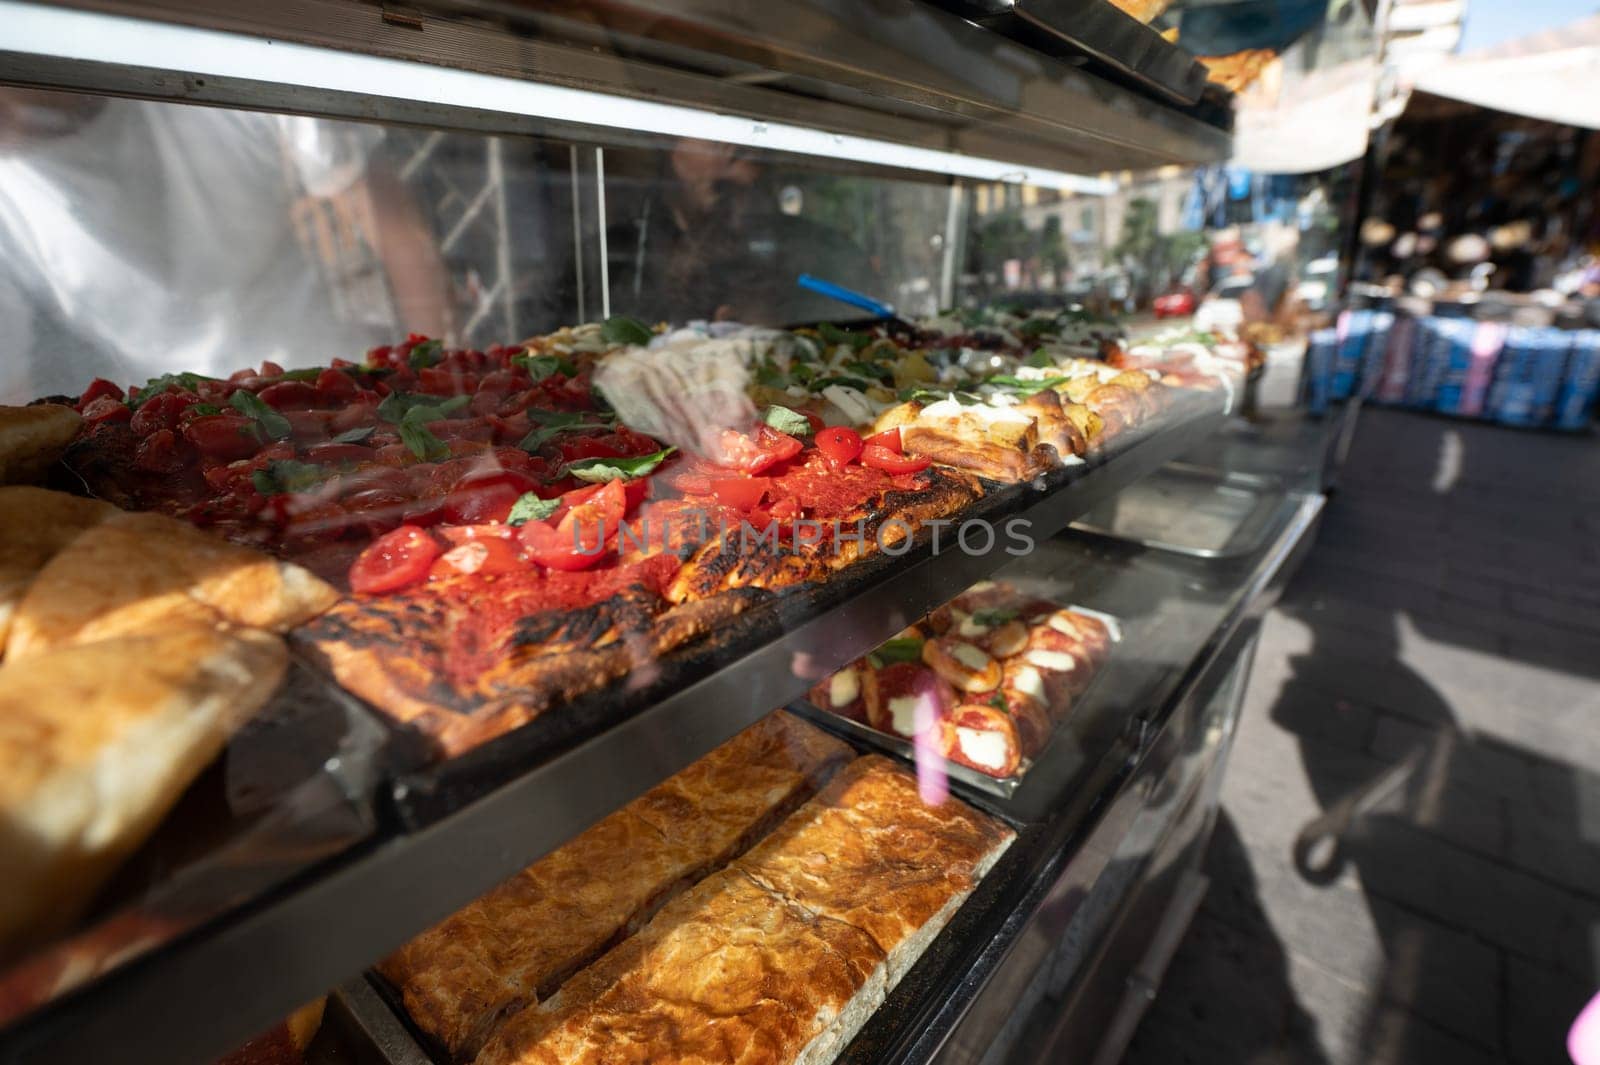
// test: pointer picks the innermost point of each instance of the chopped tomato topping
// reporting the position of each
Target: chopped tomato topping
(482, 556)
(290, 395)
(106, 409)
(889, 438)
(758, 451)
(741, 493)
(486, 495)
(881, 458)
(223, 436)
(97, 388)
(840, 444)
(394, 560)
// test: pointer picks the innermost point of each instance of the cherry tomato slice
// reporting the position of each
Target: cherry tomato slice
(741, 493)
(486, 496)
(889, 438)
(290, 395)
(753, 453)
(394, 560)
(331, 453)
(485, 557)
(463, 534)
(558, 548)
(840, 444)
(106, 409)
(97, 388)
(881, 458)
(223, 436)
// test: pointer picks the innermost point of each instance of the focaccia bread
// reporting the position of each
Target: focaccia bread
(99, 740)
(784, 955)
(517, 943)
(32, 438)
(138, 573)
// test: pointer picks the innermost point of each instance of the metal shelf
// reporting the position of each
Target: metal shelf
(205, 993)
(896, 71)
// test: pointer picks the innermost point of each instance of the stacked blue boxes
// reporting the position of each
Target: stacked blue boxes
(1576, 401)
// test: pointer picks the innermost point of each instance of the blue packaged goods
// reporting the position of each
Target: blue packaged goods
(1374, 353)
(1397, 360)
(1453, 362)
(1575, 402)
(1319, 369)
(1354, 329)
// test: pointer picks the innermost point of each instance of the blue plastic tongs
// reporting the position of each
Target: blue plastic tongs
(846, 295)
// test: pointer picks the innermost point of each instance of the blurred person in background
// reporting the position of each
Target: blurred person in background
(140, 237)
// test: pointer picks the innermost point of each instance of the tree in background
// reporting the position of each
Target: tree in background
(1155, 259)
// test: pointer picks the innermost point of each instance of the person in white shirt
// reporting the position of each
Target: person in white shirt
(138, 238)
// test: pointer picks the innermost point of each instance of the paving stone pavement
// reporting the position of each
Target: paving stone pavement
(1439, 657)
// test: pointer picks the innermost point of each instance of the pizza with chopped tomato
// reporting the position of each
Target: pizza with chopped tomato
(508, 544)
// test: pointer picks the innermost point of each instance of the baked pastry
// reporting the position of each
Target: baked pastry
(138, 573)
(33, 438)
(784, 955)
(34, 525)
(99, 740)
(516, 944)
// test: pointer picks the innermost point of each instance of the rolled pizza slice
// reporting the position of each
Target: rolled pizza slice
(843, 692)
(984, 738)
(904, 696)
(964, 666)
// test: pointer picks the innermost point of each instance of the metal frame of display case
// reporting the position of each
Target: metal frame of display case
(898, 73)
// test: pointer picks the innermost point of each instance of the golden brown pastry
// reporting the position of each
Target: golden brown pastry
(517, 943)
(782, 956)
(32, 438)
(138, 573)
(99, 740)
(34, 525)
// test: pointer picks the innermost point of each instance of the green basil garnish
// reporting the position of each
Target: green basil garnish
(251, 406)
(996, 616)
(416, 436)
(529, 507)
(541, 366)
(427, 353)
(620, 329)
(157, 385)
(1022, 387)
(398, 406)
(287, 475)
(601, 470)
(354, 436)
(834, 335)
(904, 649)
(787, 421)
(839, 379)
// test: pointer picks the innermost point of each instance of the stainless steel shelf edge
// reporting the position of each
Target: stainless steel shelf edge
(898, 72)
(208, 992)
(1010, 927)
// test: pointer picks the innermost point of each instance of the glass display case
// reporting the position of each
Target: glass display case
(406, 294)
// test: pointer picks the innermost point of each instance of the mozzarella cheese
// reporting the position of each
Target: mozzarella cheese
(1029, 682)
(1059, 661)
(855, 406)
(967, 626)
(971, 657)
(984, 748)
(985, 413)
(844, 687)
(903, 714)
(1063, 625)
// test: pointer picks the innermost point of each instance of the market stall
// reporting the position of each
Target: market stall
(390, 669)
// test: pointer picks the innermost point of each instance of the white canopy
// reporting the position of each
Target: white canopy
(1551, 75)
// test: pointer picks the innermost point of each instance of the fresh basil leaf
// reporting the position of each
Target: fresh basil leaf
(157, 385)
(422, 443)
(205, 408)
(770, 376)
(872, 370)
(874, 661)
(930, 395)
(427, 353)
(1034, 328)
(601, 470)
(251, 405)
(541, 366)
(787, 421)
(998, 701)
(905, 649)
(839, 379)
(803, 374)
(996, 616)
(310, 373)
(834, 335)
(1041, 360)
(287, 475)
(354, 436)
(398, 406)
(620, 329)
(529, 507)
(1022, 387)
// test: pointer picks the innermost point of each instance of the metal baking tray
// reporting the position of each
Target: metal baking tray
(1192, 510)
(758, 659)
(462, 827)
(1098, 31)
(1061, 748)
